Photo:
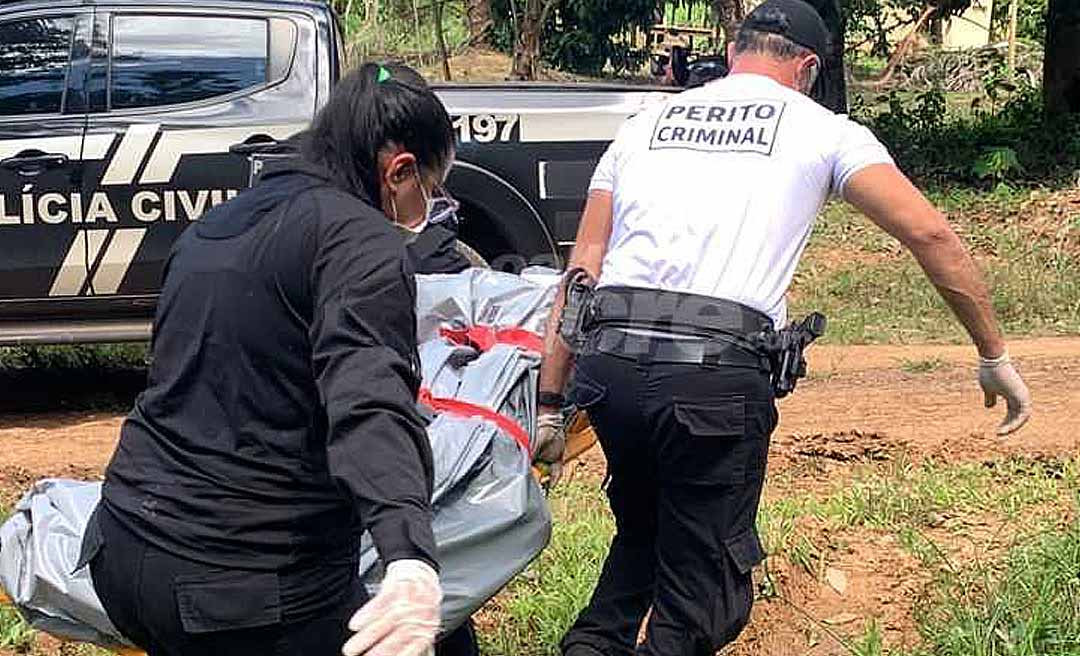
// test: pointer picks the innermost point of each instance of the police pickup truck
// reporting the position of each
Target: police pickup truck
(122, 121)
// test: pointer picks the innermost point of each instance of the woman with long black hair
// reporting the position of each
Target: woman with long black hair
(280, 422)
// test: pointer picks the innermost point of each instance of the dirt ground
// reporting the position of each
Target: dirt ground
(858, 402)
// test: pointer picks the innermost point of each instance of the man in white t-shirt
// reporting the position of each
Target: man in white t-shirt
(697, 217)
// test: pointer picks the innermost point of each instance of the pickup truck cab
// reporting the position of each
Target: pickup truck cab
(123, 121)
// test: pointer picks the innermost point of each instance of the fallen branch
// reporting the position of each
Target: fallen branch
(902, 51)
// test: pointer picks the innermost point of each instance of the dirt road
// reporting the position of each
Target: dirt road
(921, 396)
(922, 399)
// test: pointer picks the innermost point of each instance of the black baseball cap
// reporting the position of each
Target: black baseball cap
(795, 20)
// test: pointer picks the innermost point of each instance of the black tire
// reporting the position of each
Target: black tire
(470, 254)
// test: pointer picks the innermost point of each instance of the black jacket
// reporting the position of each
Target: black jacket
(434, 250)
(280, 415)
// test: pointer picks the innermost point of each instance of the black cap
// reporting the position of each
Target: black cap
(793, 19)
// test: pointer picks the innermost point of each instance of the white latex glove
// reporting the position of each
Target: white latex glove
(403, 619)
(551, 444)
(998, 377)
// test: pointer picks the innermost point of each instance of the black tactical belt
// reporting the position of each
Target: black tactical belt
(634, 307)
(651, 346)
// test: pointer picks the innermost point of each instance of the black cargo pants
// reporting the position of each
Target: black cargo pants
(686, 447)
(171, 606)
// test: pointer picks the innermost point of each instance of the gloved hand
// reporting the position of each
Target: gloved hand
(403, 619)
(998, 377)
(551, 444)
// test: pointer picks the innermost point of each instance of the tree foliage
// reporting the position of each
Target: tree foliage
(580, 36)
(1030, 20)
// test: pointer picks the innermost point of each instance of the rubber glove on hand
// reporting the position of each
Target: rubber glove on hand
(403, 619)
(551, 444)
(998, 377)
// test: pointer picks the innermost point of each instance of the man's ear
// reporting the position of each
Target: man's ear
(812, 71)
(730, 53)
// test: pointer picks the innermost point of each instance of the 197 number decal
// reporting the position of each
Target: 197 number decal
(485, 128)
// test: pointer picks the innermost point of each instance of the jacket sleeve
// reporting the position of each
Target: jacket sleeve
(363, 337)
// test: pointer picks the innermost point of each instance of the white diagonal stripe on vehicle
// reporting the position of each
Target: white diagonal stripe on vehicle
(174, 144)
(117, 260)
(96, 146)
(71, 277)
(127, 158)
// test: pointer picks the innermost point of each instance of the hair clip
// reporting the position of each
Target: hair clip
(383, 74)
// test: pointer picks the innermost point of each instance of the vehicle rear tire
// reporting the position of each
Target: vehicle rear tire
(470, 254)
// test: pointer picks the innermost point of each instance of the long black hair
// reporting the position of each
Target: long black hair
(372, 107)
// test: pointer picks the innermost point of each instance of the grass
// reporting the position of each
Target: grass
(902, 498)
(873, 291)
(872, 641)
(905, 497)
(401, 35)
(924, 366)
(85, 356)
(531, 615)
(15, 634)
(1022, 599)
(1030, 606)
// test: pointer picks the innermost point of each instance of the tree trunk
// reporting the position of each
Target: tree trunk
(1061, 73)
(440, 40)
(1011, 60)
(831, 87)
(527, 40)
(479, 22)
(728, 14)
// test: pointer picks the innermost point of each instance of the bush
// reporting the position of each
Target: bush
(933, 145)
(581, 35)
(105, 357)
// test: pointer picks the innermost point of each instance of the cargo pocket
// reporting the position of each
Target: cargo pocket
(713, 448)
(745, 550)
(228, 601)
(724, 417)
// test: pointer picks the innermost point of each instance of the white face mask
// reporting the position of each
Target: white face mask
(428, 205)
(416, 229)
(419, 227)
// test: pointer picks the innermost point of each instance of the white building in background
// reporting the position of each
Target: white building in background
(971, 29)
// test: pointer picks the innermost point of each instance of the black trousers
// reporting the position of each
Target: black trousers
(171, 606)
(686, 448)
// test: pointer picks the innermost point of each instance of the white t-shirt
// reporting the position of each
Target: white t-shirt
(716, 190)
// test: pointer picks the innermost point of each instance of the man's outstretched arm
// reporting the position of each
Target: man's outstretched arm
(891, 201)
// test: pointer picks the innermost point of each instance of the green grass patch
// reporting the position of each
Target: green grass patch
(401, 35)
(907, 498)
(967, 608)
(871, 642)
(1027, 606)
(922, 366)
(536, 609)
(15, 633)
(83, 356)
